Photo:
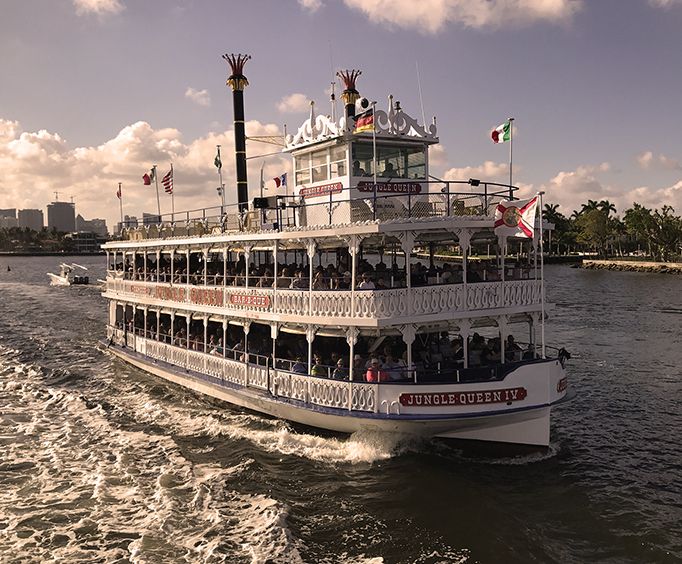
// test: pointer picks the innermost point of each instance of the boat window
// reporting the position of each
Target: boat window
(302, 166)
(404, 162)
(337, 158)
(320, 169)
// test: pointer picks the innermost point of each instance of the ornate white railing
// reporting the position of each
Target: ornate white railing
(257, 376)
(364, 397)
(368, 304)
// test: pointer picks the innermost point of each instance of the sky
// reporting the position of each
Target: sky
(94, 92)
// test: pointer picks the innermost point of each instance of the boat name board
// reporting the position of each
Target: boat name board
(562, 385)
(322, 190)
(206, 296)
(463, 398)
(250, 300)
(391, 187)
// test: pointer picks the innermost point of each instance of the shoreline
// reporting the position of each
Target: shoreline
(634, 266)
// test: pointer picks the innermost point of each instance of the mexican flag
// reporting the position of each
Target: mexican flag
(502, 133)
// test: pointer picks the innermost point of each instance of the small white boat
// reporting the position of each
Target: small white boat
(66, 276)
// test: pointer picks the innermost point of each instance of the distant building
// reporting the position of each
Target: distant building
(61, 216)
(85, 242)
(97, 226)
(9, 212)
(150, 219)
(129, 222)
(6, 222)
(33, 219)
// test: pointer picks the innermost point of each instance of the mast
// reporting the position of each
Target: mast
(237, 81)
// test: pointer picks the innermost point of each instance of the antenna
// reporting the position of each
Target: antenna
(333, 83)
(421, 100)
(56, 196)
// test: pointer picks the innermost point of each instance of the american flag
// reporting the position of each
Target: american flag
(168, 181)
(118, 192)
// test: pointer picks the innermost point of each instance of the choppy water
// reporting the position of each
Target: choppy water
(100, 462)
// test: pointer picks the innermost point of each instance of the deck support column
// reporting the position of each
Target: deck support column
(205, 333)
(158, 324)
(187, 268)
(172, 266)
(464, 238)
(351, 338)
(247, 328)
(274, 333)
(204, 253)
(224, 337)
(224, 272)
(353, 242)
(171, 337)
(144, 265)
(409, 334)
(464, 330)
(275, 248)
(407, 244)
(502, 326)
(247, 258)
(311, 247)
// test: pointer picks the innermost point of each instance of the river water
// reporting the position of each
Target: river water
(100, 462)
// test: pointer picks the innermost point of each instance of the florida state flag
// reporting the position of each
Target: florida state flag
(516, 218)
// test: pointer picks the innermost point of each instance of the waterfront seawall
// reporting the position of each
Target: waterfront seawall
(634, 266)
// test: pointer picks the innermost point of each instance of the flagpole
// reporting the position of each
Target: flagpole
(220, 177)
(120, 203)
(542, 278)
(511, 153)
(172, 195)
(158, 200)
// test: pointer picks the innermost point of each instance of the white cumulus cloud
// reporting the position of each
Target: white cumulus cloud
(36, 164)
(98, 7)
(199, 97)
(311, 5)
(430, 16)
(294, 103)
(665, 3)
(647, 159)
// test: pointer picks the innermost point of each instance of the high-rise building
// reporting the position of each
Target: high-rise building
(7, 221)
(33, 219)
(9, 212)
(61, 216)
(97, 226)
(150, 219)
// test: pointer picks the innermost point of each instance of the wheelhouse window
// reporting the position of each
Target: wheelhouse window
(320, 165)
(392, 161)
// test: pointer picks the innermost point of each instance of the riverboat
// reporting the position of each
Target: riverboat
(368, 296)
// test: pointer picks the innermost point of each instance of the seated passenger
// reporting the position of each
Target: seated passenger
(375, 373)
(299, 366)
(512, 351)
(357, 169)
(345, 281)
(389, 171)
(318, 369)
(299, 282)
(340, 372)
(366, 283)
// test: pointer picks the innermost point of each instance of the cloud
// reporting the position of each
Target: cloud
(199, 97)
(311, 5)
(571, 189)
(98, 7)
(489, 171)
(431, 16)
(294, 103)
(665, 4)
(648, 160)
(36, 164)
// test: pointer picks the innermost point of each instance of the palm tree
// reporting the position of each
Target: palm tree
(606, 206)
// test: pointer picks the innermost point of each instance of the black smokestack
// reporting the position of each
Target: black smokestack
(349, 94)
(237, 81)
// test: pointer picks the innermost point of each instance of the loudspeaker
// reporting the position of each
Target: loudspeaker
(260, 203)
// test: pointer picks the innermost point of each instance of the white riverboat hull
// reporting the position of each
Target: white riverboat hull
(523, 425)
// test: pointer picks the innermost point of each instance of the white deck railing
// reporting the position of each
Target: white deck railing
(307, 389)
(368, 304)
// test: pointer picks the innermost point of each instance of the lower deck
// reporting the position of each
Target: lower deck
(524, 394)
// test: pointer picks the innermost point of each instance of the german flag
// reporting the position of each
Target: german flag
(364, 121)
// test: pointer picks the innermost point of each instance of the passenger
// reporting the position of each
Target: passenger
(390, 171)
(375, 373)
(299, 282)
(299, 366)
(345, 282)
(340, 372)
(357, 169)
(358, 368)
(366, 283)
(512, 351)
(319, 282)
(318, 369)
